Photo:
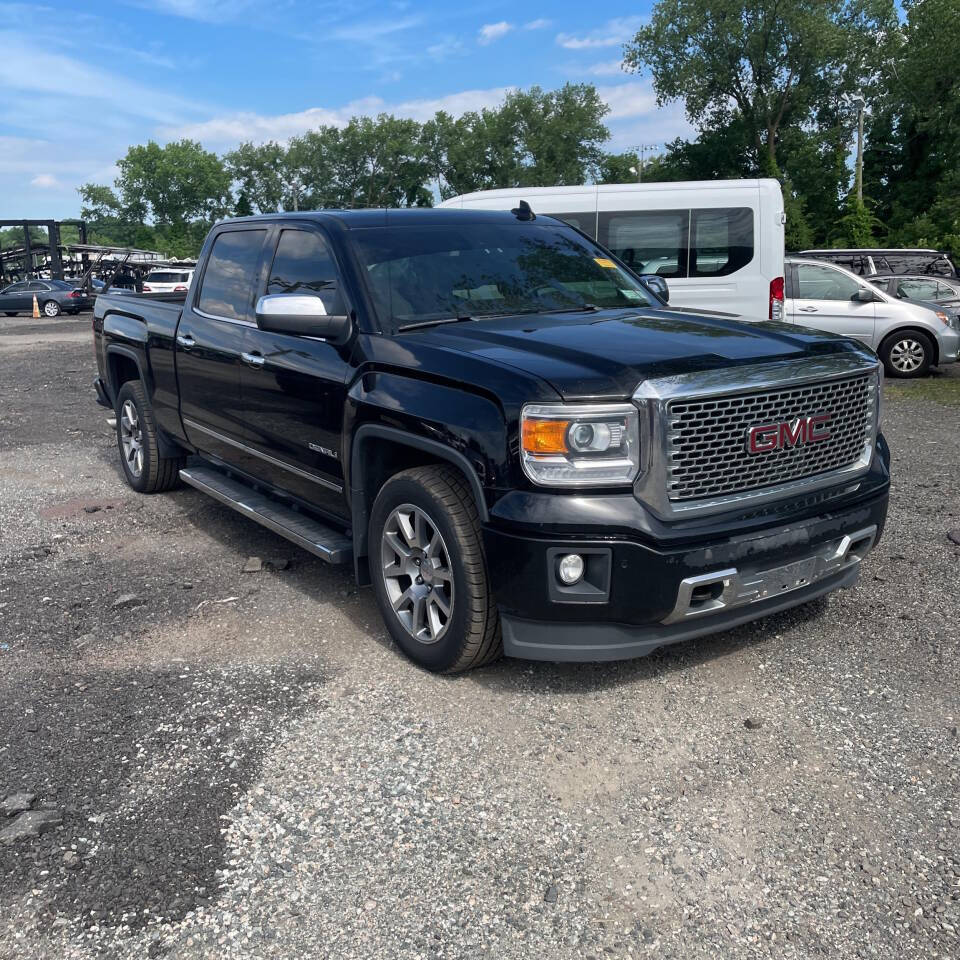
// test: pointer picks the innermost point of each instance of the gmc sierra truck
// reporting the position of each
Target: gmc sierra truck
(509, 435)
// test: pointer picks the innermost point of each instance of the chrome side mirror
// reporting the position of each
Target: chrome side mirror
(302, 314)
(656, 285)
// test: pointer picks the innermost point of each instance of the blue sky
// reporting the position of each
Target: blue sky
(83, 81)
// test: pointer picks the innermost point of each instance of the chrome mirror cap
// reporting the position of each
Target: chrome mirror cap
(291, 305)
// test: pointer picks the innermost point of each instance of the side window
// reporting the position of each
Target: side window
(586, 222)
(303, 264)
(822, 283)
(945, 292)
(36, 285)
(918, 289)
(17, 287)
(229, 278)
(721, 241)
(648, 241)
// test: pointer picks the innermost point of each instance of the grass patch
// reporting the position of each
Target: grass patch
(941, 389)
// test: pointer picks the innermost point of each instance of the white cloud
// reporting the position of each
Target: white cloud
(45, 180)
(612, 33)
(208, 11)
(540, 24)
(230, 129)
(606, 68)
(493, 31)
(447, 47)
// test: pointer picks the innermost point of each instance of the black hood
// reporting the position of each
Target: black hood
(606, 354)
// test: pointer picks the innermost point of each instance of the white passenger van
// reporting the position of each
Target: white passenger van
(718, 243)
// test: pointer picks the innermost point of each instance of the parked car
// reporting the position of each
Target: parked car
(936, 291)
(865, 262)
(908, 337)
(53, 297)
(167, 281)
(516, 445)
(718, 243)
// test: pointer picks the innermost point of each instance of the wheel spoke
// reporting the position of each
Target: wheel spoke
(417, 574)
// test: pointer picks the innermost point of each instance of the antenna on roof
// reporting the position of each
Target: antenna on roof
(523, 211)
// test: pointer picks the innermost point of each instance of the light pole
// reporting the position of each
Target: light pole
(641, 149)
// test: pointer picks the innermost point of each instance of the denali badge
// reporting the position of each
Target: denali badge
(793, 433)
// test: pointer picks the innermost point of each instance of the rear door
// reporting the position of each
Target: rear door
(293, 386)
(210, 341)
(823, 299)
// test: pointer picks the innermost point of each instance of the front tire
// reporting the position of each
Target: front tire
(907, 354)
(429, 572)
(146, 471)
(52, 309)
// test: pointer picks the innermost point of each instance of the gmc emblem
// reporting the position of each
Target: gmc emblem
(793, 433)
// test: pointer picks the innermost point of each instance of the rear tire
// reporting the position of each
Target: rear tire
(907, 354)
(51, 308)
(146, 471)
(424, 521)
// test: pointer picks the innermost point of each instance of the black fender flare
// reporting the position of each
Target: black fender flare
(167, 446)
(358, 493)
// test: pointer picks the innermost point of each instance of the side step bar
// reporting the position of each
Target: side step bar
(304, 531)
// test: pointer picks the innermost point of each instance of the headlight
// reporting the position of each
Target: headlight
(944, 319)
(580, 444)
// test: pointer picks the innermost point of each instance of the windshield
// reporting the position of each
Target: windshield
(425, 273)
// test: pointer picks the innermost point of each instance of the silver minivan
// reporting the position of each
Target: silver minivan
(909, 338)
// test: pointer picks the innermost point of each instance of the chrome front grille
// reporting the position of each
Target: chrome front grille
(706, 437)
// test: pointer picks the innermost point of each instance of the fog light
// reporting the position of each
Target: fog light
(571, 569)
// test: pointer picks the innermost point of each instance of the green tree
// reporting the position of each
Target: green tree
(912, 160)
(260, 171)
(762, 65)
(173, 184)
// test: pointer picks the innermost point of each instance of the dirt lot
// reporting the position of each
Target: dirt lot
(232, 764)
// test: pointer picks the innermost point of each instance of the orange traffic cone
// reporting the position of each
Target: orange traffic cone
(36, 308)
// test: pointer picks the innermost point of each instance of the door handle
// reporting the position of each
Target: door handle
(185, 341)
(808, 309)
(253, 360)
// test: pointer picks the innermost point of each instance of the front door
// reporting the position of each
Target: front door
(822, 298)
(16, 298)
(294, 387)
(210, 341)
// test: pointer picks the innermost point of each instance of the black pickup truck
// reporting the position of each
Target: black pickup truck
(507, 433)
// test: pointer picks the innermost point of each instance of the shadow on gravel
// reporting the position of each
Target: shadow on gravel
(317, 579)
(143, 765)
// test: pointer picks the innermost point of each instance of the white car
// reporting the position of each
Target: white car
(908, 337)
(168, 281)
(718, 243)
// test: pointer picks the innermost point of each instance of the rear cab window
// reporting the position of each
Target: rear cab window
(230, 276)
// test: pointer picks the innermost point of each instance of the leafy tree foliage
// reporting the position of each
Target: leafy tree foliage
(912, 162)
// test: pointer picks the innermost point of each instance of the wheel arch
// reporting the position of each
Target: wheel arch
(380, 451)
(928, 334)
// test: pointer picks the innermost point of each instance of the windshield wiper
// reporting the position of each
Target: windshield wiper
(583, 308)
(433, 323)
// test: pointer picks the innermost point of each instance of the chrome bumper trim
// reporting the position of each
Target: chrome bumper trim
(709, 593)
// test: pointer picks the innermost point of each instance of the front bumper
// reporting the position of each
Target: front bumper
(643, 595)
(949, 345)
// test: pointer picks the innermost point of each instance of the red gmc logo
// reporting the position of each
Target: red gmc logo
(793, 433)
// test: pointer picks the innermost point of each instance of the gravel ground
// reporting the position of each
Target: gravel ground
(229, 764)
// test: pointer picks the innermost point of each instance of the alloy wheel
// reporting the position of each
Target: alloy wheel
(131, 438)
(906, 355)
(51, 308)
(417, 573)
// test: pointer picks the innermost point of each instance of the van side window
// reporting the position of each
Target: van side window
(721, 241)
(822, 283)
(648, 241)
(585, 222)
(230, 275)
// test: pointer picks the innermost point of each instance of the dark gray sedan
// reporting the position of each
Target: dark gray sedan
(53, 297)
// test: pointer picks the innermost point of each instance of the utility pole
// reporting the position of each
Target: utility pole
(861, 107)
